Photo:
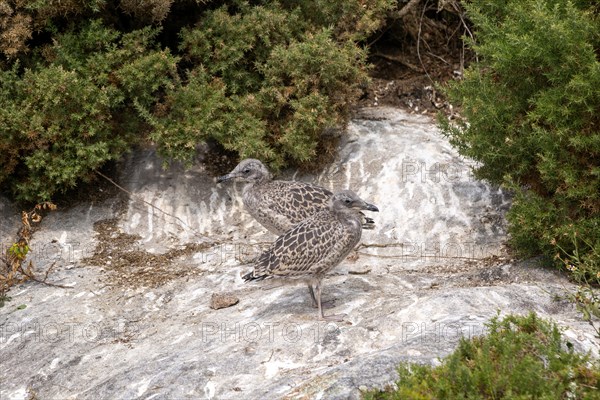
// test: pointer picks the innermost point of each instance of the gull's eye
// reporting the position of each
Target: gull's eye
(347, 201)
(246, 171)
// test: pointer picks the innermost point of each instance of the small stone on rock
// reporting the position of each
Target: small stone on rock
(222, 300)
(359, 270)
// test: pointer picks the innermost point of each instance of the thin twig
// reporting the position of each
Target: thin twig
(138, 198)
(386, 245)
(423, 256)
(48, 271)
(44, 281)
(213, 241)
(460, 13)
(33, 278)
(400, 61)
(438, 57)
(419, 41)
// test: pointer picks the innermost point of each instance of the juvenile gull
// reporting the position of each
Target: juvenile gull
(279, 205)
(315, 246)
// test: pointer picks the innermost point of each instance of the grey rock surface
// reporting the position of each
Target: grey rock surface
(136, 321)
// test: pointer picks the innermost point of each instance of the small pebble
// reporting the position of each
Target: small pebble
(222, 300)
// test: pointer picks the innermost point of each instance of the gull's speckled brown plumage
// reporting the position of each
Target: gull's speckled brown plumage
(279, 205)
(315, 246)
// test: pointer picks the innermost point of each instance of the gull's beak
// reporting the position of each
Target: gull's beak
(225, 178)
(370, 207)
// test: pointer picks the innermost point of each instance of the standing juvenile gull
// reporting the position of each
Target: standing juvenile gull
(315, 246)
(279, 205)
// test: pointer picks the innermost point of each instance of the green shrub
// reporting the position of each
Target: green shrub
(309, 85)
(60, 120)
(530, 108)
(201, 110)
(83, 82)
(520, 357)
(274, 78)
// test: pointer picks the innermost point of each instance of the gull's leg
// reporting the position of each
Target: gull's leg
(312, 295)
(325, 304)
(335, 317)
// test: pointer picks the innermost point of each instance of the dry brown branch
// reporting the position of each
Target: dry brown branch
(13, 269)
(419, 42)
(399, 60)
(45, 279)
